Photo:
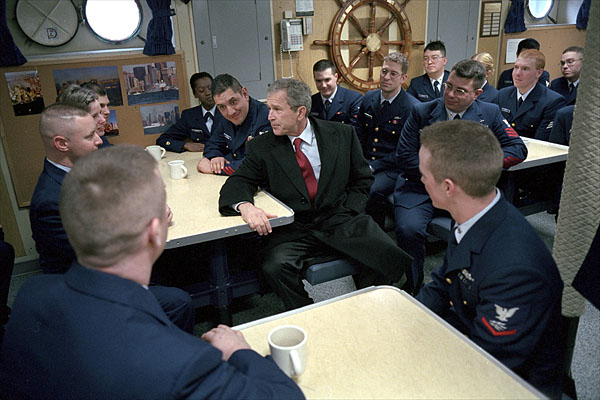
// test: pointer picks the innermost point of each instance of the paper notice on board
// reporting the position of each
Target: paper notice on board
(511, 50)
(304, 8)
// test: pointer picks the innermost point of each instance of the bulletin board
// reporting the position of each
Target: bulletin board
(20, 134)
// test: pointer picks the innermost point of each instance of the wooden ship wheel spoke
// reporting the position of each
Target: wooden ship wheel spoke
(362, 33)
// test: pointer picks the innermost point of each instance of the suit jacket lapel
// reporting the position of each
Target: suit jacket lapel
(438, 113)
(326, 141)
(336, 105)
(283, 153)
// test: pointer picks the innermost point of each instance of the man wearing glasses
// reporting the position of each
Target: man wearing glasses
(412, 204)
(430, 85)
(570, 67)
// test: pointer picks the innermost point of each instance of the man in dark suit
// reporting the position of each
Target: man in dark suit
(506, 78)
(69, 133)
(193, 129)
(498, 284)
(570, 66)
(430, 85)
(529, 106)
(245, 119)
(382, 115)
(316, 167)
(333, 102)
(413, 207)
(97, 331)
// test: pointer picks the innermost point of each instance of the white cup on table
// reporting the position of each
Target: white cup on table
(156, 151)
(288, 348)
(177, 169)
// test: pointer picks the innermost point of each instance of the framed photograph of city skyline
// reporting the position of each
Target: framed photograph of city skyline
(25, 91)
(158, 118)
(151, 83)
(105, 76)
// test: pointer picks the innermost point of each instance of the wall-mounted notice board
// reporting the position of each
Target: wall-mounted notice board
(147, 95)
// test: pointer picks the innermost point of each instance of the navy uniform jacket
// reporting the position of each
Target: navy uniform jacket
(561, 86)
(534, 117)
(489, 93)
(561, 128)
(90, 334)
(105, 142)
(379, 133)
(420, 87)
(56, 253)
(501, 288)
(506, 80)
(191, 126)
(229, 141)
(344, 107)
(426, 114)
(587, 280)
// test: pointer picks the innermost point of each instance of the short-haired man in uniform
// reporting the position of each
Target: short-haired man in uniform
(97, 331)
(194, 128)
(413, 207)
(529, 106)
(316, 167)
(430, 85)
(382, 115)
(570, 67)
(498, 284)
(333, 102)
(506, 77)
(245, 117)
(104, 102)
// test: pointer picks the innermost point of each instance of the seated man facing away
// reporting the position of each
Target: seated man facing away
(316, 167)
(104, 110)
(498, 284)
(97, 332)
(69, 133)
(570, 67)
(194, 128)
(333, 102)
(246, 118)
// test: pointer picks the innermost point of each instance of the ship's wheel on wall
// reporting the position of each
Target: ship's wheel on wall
(362, 33)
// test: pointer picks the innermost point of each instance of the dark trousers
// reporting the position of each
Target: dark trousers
(382, 187)
(177, 304)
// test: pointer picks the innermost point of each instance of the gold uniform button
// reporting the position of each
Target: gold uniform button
(465, 302)
(234, 155)
(197, 139)
(449, 281)
(374, 149)
(373, 158)
(531, 126)
(393, 132)
(451, 303)
(168, 143)
(366, 124)
(376, 140)
(513, 124)
(377, 129)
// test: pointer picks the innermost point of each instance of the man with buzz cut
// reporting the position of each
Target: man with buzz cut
(498, 283)
(97, 331)
(430, 85)
(570, 67)
(195, 127)
(333, 102)
(245, 118)
(412, 205)
(506, 77)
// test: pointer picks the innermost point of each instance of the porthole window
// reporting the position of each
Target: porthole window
(539, 9)
(113, 21)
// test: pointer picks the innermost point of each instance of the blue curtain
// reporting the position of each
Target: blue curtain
(11, 55)
(583, 14)
(515, 20)
(160, 31)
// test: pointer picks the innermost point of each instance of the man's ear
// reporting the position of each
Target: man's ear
(449, 187)
(154, 230)
(61, 143)
(301, 112)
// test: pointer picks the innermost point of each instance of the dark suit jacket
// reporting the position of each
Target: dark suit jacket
(561, 86)
(379, 133)
(56, 253)
(506, 80)
(229, 141)
(337, 216)
(587, 280)
(344, 107)
(561, 127)
(489, 94)
(420, 87)
(501, 287)
(89, 334)
(534, 117)
(191, 126)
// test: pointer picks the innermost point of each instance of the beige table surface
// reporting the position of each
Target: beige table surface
(541, 153)
(380, 343)
(194, 201)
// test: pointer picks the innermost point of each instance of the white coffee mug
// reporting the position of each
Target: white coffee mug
(288, 348)
(177, 170)
(156, 151)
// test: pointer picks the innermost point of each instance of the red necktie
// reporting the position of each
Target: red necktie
(307, 171)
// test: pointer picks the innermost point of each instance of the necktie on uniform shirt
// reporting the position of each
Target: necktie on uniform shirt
(457, 116)
(208, 120)
(519, 103)
(307, 170)
(571, 87)
(436, 88)
(327, 106)
(384, 107)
